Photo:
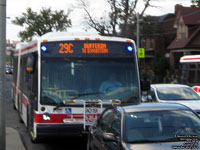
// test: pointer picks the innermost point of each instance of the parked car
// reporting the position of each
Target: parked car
(9, 70)
(146, 126)
(174, 93)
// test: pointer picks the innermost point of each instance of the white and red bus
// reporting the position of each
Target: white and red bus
(190, 71)
(57, 79)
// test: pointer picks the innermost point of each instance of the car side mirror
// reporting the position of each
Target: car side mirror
(109, 137)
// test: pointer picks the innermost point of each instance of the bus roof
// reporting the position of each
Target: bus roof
(190, 58)
(62, 36)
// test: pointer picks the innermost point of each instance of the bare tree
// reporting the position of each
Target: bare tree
(121, 17)
(100, 25)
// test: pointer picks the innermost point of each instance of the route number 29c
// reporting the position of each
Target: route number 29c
(66, 48)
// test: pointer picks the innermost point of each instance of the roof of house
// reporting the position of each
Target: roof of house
(184, 42)
(191, 16)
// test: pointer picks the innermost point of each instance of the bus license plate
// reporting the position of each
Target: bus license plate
(91, 110)
(91, 114)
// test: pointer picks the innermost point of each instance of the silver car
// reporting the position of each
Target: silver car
(147, 126)
(174, 93)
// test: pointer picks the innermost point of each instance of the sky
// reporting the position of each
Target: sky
(15, 8)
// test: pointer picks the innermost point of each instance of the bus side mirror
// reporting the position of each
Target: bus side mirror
(30, 64)
(145, 85)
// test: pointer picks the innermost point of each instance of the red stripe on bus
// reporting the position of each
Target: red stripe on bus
(191, 58)
(29, 47)
(25, 100)
(56, 118)
(197, 89)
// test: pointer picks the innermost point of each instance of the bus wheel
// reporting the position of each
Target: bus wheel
(14, 107)
(30, 126)
(20, 119)
(34, 139)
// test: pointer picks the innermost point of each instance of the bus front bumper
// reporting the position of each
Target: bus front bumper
(60, 130)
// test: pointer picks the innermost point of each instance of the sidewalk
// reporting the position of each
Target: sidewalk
(13, 140)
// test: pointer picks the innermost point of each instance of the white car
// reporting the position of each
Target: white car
(174, 93)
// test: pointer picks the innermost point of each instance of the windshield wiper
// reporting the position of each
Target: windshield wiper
(144, 141)
(52, 101)
(155, 141)
(47, 100)
(85, 94)
(170, 140)
(58, 105)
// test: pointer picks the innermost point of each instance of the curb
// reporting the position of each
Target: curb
(13, 140)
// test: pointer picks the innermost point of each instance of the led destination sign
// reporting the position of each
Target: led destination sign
(95, 48)
(83, 48)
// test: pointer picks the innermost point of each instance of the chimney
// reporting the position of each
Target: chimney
(177, 8)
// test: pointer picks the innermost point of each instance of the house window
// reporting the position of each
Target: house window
(182, 31)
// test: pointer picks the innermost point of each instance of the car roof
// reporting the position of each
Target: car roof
(153, 107)
(168, 85)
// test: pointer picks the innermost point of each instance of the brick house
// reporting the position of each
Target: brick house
(187, 40)
(158, 41)
(178, 35)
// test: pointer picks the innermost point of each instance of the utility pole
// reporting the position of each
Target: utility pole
(2, 72)
(138, 32)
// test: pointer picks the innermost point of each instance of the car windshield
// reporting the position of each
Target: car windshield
(88, 79)
(160, 126)
(177, 93)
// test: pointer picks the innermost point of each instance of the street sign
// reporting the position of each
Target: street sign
(141, 52)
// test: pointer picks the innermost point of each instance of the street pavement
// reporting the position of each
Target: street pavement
(13, 140)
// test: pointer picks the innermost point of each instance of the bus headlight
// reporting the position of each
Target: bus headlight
(129, 48)
(46, 116)
(43, 48)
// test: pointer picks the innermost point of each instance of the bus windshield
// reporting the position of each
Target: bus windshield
(190, 73)
(190, 69)
(103, 79)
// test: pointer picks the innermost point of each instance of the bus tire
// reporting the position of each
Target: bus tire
(28, 120)
(20, 119)
(14, 107)
(30, 126)
(34, 139)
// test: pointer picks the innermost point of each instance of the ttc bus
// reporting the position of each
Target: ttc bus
(60, 81)
(190, 71)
